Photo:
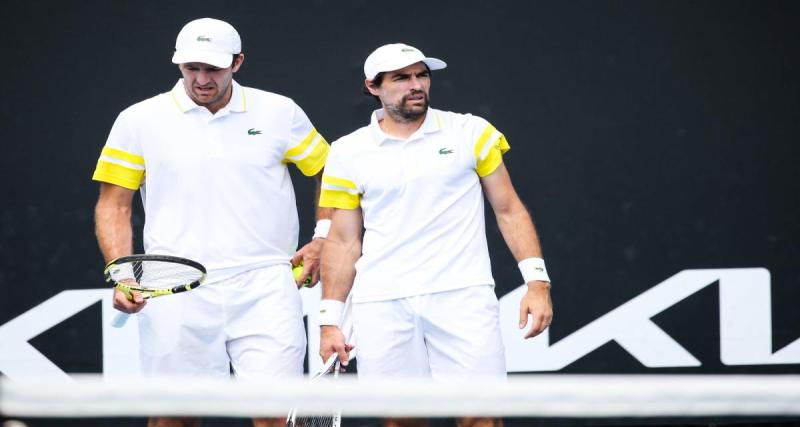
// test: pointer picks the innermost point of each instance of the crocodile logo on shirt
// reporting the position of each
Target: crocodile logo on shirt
(204, 39)
(445, 150)
(253, 131)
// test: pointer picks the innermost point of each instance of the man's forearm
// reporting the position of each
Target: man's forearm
(113, 223)
(114, 233)
(338, 268)
(519, 233)
(513, 219)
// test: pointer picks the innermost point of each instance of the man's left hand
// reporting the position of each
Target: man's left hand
(309, 255)
(537, 303)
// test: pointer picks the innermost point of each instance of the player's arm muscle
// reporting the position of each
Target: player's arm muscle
(340, 253)
(516, 224)
(112, 216)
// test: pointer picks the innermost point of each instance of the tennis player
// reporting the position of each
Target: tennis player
(422, 289)
(209, 158)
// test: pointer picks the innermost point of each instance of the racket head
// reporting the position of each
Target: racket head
(329, 372)
(154, 275)
(333, 420)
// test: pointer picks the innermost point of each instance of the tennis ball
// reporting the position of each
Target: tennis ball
(298, 271)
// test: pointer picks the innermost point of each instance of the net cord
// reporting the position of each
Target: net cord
(572, 396)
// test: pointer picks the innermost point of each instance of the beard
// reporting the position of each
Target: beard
(404, 113)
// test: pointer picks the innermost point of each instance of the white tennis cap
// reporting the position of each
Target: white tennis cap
(209, 41)
(395, 56)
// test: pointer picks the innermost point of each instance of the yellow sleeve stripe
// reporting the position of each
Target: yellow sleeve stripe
(339, 182)
(302, 146)
(117, 154)
(483, 139)
(311, 164)
(329, 198)
(493, 158)
(118, 175)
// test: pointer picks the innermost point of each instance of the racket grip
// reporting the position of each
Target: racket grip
(120, 319)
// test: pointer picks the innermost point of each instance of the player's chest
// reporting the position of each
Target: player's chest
(401, 165)
(234, 140)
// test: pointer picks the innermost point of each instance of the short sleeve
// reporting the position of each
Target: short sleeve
(489, 145)
(307, 148)
(339, 188)
(121, 161)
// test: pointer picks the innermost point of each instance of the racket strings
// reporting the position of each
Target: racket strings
(325, 421)
(154, 274)
(297, 419)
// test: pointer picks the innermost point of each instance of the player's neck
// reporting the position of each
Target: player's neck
(221, 103)
(400, 129)
(215, 105)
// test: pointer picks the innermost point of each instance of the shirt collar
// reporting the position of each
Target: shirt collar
(429, 125)
(237, 103)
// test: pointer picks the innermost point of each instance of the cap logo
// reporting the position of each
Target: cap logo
(204, 39)
(407, 49)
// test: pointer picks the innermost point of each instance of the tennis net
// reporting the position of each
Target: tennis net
(586, 398)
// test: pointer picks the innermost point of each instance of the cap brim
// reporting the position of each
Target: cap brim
(434, 63)
(221, 60)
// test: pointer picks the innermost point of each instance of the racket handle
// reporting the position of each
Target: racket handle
(120, 320)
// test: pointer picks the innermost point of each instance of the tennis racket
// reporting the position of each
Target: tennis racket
(152, 276)
(329, 372)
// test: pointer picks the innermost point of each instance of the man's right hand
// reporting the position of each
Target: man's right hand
(128, 303)
(331, 340)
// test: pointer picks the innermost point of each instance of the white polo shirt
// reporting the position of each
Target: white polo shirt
(421, 200)
(215, 187)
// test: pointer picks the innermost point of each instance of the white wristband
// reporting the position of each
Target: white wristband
(533, 269)
(322, 228)
(122, 272)
(330, 312)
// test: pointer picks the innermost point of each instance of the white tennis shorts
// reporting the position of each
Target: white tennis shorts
(438, 335)
(252, 322)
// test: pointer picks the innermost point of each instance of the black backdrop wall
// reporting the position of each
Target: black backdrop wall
(647, 138)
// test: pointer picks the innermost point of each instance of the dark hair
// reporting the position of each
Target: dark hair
(377, 81)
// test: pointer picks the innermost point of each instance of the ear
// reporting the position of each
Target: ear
(374, 90)
(237, 62)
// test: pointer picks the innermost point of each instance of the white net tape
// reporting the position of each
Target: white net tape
(572, 396)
